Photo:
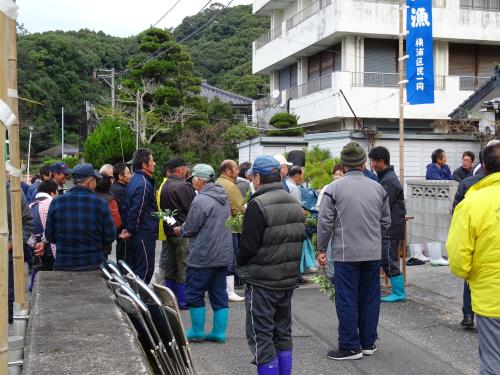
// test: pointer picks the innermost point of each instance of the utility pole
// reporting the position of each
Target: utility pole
(108, 76)
(29, 153)
(62, 132)
(137, 120)
(402, 34)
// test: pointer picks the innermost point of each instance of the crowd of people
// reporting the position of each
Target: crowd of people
(361, 216)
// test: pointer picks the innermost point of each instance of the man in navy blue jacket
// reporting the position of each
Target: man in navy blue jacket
(438, 169)
(140, 227)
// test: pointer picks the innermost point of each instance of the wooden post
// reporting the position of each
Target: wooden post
(402, 4)
(4, 229)
(15, 182)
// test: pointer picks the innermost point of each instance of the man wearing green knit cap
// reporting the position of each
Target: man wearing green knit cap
(354, 214)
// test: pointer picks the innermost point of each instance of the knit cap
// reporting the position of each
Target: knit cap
(352, 155)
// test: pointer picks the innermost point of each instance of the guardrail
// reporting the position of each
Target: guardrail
(305, 13)
(471, 83)
(267, 102)
(375, 79)
(486, 5)
(269, 36)
(308, 88)
(435, 3)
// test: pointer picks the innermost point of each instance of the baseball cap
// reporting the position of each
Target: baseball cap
(60, 168)
(265, 165)
(281, 159)
(85, 170)
(203, 170)
(175, 162)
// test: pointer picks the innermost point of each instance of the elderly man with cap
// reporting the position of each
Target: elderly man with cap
(60, 173)
(80, 224)
(210, 252)
(268, 262)
(175, 195)
(284, 164)
(354, 215)
(228, 174)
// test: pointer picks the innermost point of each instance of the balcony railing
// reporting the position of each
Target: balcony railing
(268, 37)
(471, 83)
(243, 118)
(487, 5)
(374, 79)
(435, 3)
(308, 88)
(305, 13)
(267, 102)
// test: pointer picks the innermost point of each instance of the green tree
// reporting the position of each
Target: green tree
(104, 144)
(236, 134)
(285, 124)
(318, 168)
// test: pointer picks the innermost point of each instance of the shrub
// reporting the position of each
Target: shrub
(103, 144)
(318, 168)
(285, 124)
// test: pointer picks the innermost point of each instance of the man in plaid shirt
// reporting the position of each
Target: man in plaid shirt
(80, 224)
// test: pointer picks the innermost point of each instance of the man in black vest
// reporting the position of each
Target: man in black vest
(268, 262)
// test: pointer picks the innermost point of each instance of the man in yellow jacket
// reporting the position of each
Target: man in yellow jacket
(474, 253)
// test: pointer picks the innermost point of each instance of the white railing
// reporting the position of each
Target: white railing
(487, 5)
(471, 83)
(305, 13)
(375, 79)
(268, 37)
(435, 3)
(267, 102)
(308, 88)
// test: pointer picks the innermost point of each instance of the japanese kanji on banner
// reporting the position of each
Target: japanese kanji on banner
(420, 64)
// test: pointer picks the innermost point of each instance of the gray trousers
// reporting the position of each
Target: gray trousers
(174, 252)
(268, 322)
(489, 345)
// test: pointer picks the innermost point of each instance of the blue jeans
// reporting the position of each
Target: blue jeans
(467, 306)
(200, 280)
(357, 300)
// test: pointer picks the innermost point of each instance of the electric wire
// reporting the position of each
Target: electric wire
(167, 13)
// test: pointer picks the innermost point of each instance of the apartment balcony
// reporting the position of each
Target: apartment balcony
(370, 95)
(325, 22)
(265, 7)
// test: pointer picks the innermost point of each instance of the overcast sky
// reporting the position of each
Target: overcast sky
(115, 17)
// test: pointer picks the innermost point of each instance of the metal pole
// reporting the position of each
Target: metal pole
(15, 181)
(121, 143)
(113, 90)
(137, 121)
(402, 5)
(4, 229)
(62, 132)
(29, 154)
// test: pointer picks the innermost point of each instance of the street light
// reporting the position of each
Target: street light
(29, 154)
(121, 143)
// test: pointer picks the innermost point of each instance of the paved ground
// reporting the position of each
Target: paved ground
(421, 336)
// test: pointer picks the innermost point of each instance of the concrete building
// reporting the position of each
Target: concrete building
(316, 48)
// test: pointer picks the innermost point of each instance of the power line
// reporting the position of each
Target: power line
(167, 12)
(160, 52)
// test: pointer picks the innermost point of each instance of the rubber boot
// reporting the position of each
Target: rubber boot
(197, 331)
(285, 362)
(270, 368)
(219, 327)
(398, 290)
(180, 292)
(231, 295)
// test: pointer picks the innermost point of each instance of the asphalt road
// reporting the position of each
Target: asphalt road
(420, 336)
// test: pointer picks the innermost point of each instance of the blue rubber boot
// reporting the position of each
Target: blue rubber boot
(219, 327)
(197, 331)
(180, 292)
(398, 290)
(271, 368)
(285, 362)
(170, 284)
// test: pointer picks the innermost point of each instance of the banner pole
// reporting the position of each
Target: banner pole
(402, 4)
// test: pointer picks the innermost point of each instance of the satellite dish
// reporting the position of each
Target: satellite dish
(275, 94)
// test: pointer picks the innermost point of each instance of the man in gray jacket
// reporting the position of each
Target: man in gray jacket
(354, 214)
(210, 252)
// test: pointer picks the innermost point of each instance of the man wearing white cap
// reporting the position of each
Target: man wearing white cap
(283, 170)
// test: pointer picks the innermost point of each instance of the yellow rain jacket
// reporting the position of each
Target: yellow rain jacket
(474, 244)
(161, 230)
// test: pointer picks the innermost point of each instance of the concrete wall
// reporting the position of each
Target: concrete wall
(430, 202)
(249, 150)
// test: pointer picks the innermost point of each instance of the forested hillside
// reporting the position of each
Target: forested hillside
(222, 53)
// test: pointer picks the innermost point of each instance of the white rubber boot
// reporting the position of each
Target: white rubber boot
(231, 295)
(416, 252)
(435, 254)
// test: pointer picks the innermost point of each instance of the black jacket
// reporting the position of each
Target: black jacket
(271, 240)
(176, 195)
(119, 192)
(390, 182)
(461, 174)
(464, 186)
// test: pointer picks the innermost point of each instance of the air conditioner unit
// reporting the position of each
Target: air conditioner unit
(487, 126)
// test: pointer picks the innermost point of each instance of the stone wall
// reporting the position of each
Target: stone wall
(430, 202)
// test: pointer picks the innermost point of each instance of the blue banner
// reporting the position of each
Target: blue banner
(420, 64)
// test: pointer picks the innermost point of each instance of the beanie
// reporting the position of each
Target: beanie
(352, 155)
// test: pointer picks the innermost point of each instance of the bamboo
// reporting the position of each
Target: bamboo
(15, 182)
(4, 229)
